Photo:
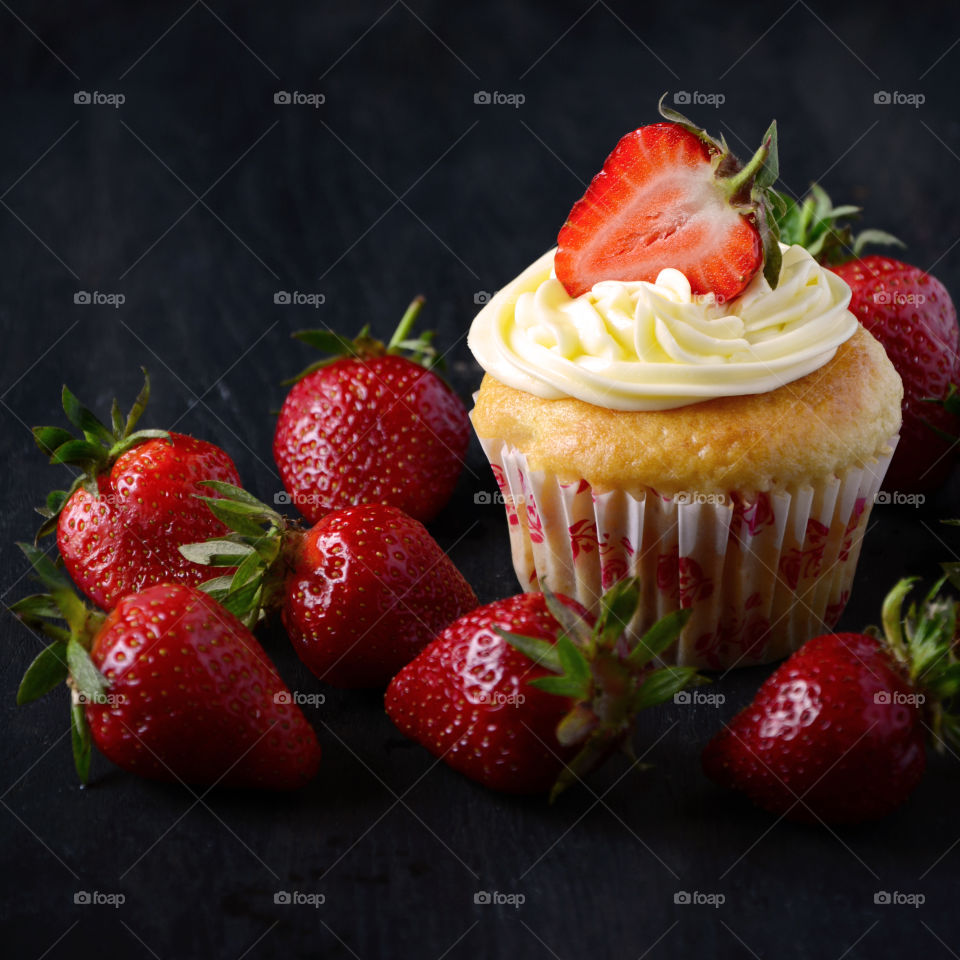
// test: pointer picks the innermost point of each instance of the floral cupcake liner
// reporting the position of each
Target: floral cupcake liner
(761, 575)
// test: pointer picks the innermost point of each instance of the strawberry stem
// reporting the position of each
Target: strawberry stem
(407, 322)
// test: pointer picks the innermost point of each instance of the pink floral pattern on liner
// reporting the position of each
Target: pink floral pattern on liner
(804, 562)
(834, 610)
(736, 639)
(858, 508)
(508, 504)
(583, 537)
(751, 516)
(682, 579)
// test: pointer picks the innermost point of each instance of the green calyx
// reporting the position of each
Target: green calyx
(824, 230)
(748, 186)
(924, 642)
(608, 681)
(71, 626)
(95, 453)
(261, 544)
(418, 348)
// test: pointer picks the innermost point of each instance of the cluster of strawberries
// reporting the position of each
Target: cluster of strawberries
(528, 693)
(167, 677)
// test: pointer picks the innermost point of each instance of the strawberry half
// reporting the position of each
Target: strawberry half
(836, 733)
(361, 593)
(528, 694)
(169, 686)
(132, 504)
(672, 196)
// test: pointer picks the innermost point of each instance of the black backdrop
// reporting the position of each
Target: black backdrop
(198, 199)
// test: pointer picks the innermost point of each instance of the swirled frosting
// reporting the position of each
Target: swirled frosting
(653, 346)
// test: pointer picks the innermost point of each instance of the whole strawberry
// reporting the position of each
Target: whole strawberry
(670, 195)
(361, 593)
(837, 732)
(527, 694)
(169, 686)
(371, 426)
(910, 312)
(120, 525)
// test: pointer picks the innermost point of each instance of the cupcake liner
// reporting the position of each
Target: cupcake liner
(761, 574)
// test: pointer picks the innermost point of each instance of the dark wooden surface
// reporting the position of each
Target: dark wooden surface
(197, 200)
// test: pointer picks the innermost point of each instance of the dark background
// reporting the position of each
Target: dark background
(197, 200)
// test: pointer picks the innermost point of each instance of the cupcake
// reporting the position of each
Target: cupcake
(672, 394)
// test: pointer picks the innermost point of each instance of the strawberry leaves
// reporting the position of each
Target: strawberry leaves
(817, 225)
(606, 681)
(419, 349)
(95, 453)
(257, 539)
(67, 658)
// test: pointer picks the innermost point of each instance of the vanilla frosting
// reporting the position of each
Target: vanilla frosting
(653, 346)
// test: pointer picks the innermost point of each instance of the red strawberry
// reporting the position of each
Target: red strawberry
(671, 196)
(120, 526)
(910, 312)
(370, 588)
(527, 694)
(361, 593)
(836, 733)
(371, 427)
(170, 686)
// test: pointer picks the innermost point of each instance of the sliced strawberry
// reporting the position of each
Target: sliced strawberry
(671, 196)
